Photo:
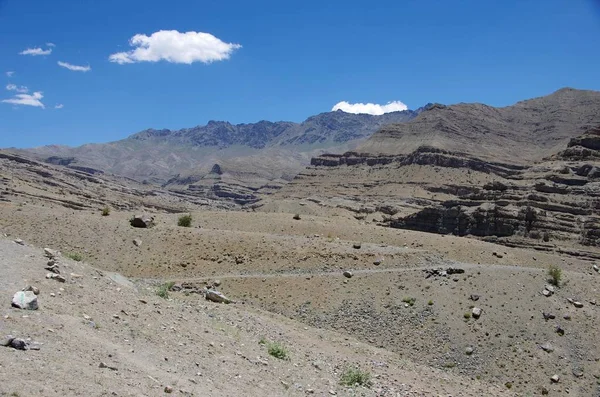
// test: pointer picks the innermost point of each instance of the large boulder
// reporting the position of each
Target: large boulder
(216, 296)
(142, 221)
(25, 300)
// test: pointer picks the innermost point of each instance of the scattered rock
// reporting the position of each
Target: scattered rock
(567, 317)
(476, 312)
(577, 372)
(497, 255)
(555, 379)
(103, 365)
(550, 288)
(546, 293)
(25, 300)
(50, 253)
(33, 289)
(596, 268)
(474, 297)
(560, 330)
(142, 221)
(18, 344)
(168, 389)
(348, 274)
(217, 283)
(57, 277)
(378, 261)
(469, 350)
(19, 241)
(441, 272)
(137, 242)
(216, 296)
(547, 347)
(356, 246)
(578, 304)
(548, 316)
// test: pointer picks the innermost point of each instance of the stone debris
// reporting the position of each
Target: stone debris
(25, 300)
(474, 297)
(57, 277)
(33, 289)
(596, 268)
(348, 274)
(142, 221)
(19, 241)
(103, 365)
(168, 389)
(555, 379)
(216, 296)
(441, 272)
(547, 347)
(559, 330)
(356, 246)
(469, 350)
(378, 261)
(51, 254)
(548, 316)
(578, 304)
(18, 343)
(476, 312)
(137, 242)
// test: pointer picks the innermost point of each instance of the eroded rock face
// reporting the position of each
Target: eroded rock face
(558, 197)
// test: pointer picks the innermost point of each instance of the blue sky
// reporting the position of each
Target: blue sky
(296, 59)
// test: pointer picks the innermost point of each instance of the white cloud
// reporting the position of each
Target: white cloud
(59, 106)
(75, 68)
(10, 74)
(370, 108)
(13, 87)
(173, 46)
(50, 45)
(27, 100)
(36, 51)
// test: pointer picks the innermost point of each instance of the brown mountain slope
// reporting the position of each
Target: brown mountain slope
(528, 130)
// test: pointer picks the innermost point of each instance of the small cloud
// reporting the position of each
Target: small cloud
(27, 100)
(175, 47)
(36, 51)
(370, 108)
(13, 87)
(75, 68)
(10, 74)
(59, 106)
(50, 45)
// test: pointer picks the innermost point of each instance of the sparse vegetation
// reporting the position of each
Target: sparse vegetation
(430, 303)
(163, 290)
(106, 211)
(555, 274)
(354, 376)
(277, 350)
(467, 315)
(77, 257)
(185, 220)
(409, 300)
(262, 341)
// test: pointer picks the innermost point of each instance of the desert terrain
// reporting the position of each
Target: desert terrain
(424, 266)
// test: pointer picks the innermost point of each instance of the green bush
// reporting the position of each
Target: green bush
(411, 301)
(555, 274)
(185, 220)
(163, 290)
(75, 256)
(277, 350)
(106, 211)
(354, 376)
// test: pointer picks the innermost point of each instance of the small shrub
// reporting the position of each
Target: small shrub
(555, 274)
(277, 350)
(262, 341)
(185, 220)
(354, 376)
(106, 211)
(163, 290)
(296, 217)
(467, 315)
(409, 300)
(77, 257)
(430, 303)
